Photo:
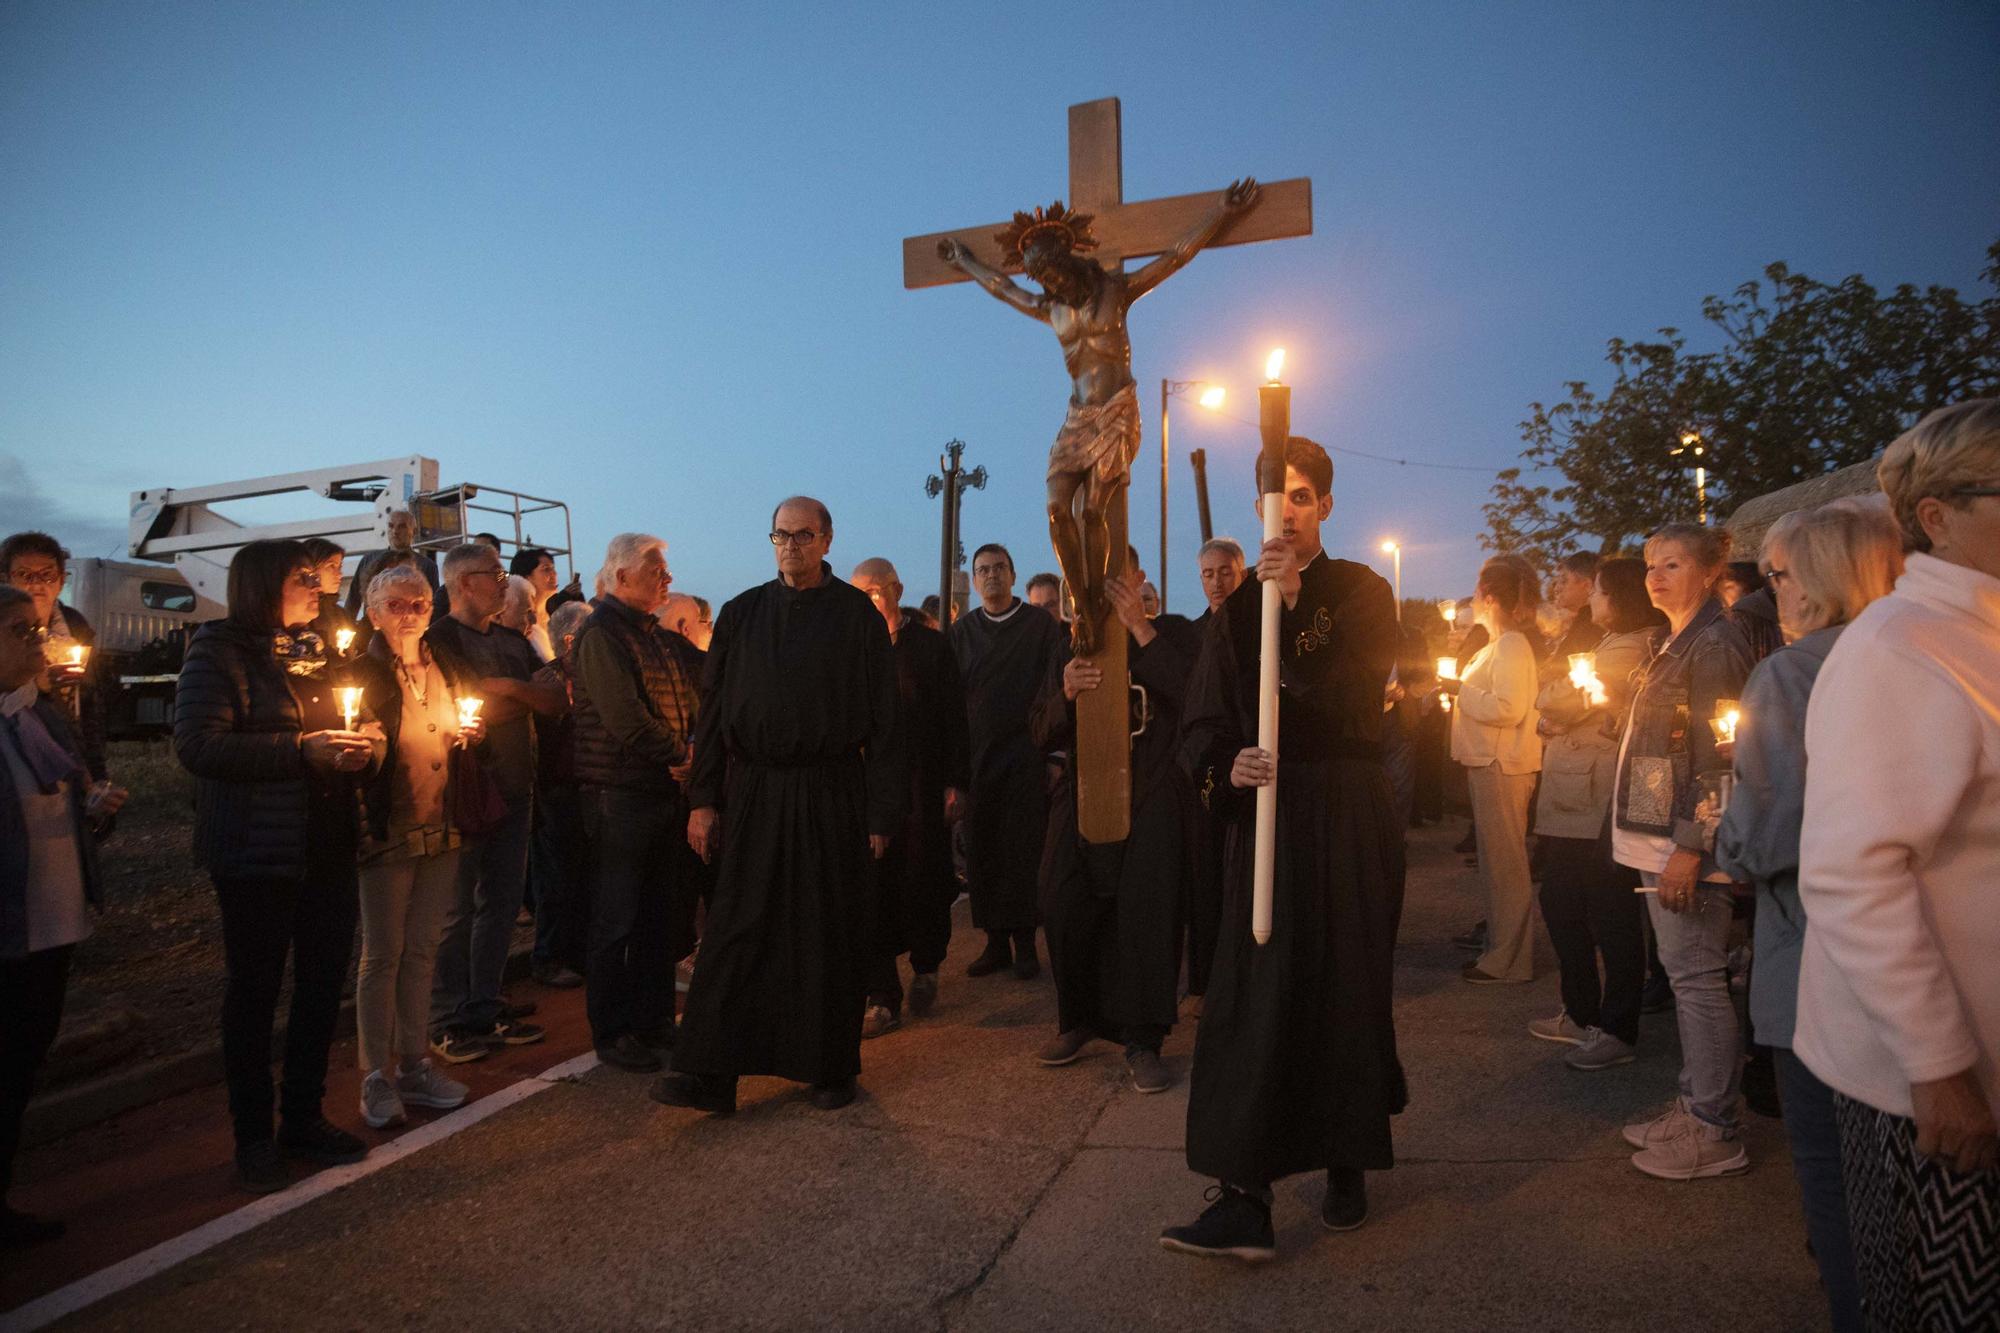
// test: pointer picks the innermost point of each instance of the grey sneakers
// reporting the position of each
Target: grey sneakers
(1599, 1050)
(1670, 1123)
(1065, 1048)
(1698, 1151)
(1149, 1072)
(380, 1104)
(1560, 1028)
(425, 1086)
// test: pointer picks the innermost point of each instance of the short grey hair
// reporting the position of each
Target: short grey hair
(386, 584)
(566, 620)
(459, 560)
(626, 550)
(1223, 546)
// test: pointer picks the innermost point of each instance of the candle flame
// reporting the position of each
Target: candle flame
(77, 653)
(1274, 365)
(1448, 668)
(343, 639)
(1211, 397)
(1449, 611)
(350, 703)
(468, 710)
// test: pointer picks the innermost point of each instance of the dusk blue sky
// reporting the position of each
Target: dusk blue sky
(646, 258)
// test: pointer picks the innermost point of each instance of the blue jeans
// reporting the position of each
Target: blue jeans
(1694, 949)
(1815, 1139)
(479, 930)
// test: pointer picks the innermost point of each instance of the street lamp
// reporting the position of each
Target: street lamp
(1391, 549)
(1210, 397)
(1691, 443)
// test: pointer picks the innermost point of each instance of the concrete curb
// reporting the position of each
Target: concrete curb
(66, 1110)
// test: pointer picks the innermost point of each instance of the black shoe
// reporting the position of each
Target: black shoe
(923, 994)
(509, 1031)
(628, 1051)
(557, 977)
(259, 1168)
(697, 1092)
(1234, 1226)
(1468, 844)
(1027, 966)
(456, 1045)
(1346, 1205)
(319, 1141)
(1760, 1084)
(1473, 940)
(997, 956)
(512, 1011)
(1657, 996)
(19, 1230)
(832, 1096)
(661, 1039)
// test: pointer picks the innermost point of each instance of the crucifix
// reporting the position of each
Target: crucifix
(952, 487)
(1085, 298)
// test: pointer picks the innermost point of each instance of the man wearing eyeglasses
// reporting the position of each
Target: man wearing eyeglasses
(798, 780)
(468, 1014)
(37, 564)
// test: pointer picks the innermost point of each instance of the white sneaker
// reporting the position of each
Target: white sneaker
(1560, 1028)
(878, 1020)
(380, 1106)
(1704, 1150)
(1599, 1050)
(1671, 1123)
(424, 1086)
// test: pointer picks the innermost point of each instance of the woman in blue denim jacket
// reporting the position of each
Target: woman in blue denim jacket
(1668, 745)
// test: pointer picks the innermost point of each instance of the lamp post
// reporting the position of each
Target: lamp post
(1210, 397)
(1396, 552)
(1691, 444)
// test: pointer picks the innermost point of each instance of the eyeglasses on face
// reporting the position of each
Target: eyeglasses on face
(803, 537)
(27, 631)
(1973, 492)
(37, 578)
(397, 606)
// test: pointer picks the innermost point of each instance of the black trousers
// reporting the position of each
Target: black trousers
(909, 912)
(1590, 909)
(263, 920)
(559, 876)
(31, 1005)
(638, 841)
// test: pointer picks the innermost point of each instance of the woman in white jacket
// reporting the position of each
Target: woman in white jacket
(1899, 983)
(1493, 735)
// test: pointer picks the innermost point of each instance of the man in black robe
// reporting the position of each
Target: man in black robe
(1295, 1066)
(1003, 647)
(1112, 910)
(796, 783)
(1222, 569)
(914, 885)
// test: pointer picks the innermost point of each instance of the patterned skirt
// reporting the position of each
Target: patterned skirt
(1926, 1238)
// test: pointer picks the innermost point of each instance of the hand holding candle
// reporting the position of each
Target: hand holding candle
(1728, 712)
(1447, 669)
(1583, 675)
(350, 704)
(470, 729)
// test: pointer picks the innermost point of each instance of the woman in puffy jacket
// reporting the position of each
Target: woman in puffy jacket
(257, 724)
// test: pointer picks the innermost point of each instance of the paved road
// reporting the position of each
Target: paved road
(971, 1189)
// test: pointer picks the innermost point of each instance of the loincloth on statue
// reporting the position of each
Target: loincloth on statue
(1102, 439)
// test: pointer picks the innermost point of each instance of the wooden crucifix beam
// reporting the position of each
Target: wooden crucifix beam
(1124, 231)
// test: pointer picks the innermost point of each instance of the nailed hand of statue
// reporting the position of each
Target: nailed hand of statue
(951, 251)
(1242, 196)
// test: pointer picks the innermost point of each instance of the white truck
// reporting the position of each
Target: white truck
(182, 542)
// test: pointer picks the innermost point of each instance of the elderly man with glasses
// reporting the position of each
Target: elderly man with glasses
(799, 779)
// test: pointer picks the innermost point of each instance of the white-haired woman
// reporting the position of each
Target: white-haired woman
(409, 856)
(521, 611)
(1899, 986)
(1701, 659)
(1823, 566)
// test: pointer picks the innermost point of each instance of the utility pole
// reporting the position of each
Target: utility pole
(952, 552)
(1198, 459)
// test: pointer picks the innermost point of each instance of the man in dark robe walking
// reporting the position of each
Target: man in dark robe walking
(1295, 1066)
(1003, 647)
(796, 783)
(1222, 570)
(1113, 910)
(914, 886)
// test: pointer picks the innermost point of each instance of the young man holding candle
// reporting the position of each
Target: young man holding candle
(1295, 1067)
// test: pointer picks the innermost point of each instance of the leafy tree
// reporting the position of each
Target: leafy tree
(1810, 376)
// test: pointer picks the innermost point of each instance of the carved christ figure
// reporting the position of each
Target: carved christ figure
(1085, 304)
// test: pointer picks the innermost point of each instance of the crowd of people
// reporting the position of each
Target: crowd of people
(781, 803)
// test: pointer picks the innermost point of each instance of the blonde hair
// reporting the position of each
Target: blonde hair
(1842, 556)
(1708, 546)
(1952, 447)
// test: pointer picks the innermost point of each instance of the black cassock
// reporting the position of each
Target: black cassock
(1295, 1064)
(1001, 664)
(796, 748)
(1112, 911)
(914, 883)
(1202, 900)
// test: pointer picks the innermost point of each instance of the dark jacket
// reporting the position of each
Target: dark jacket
(14, 838)
(1669, 743)
(87, 708)
(635, 701)
(1756, 614)
(238, 717)
(375, 672)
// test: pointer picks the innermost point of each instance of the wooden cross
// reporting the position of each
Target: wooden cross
(1124, 231)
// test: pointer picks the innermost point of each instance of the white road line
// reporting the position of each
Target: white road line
(105, 1282)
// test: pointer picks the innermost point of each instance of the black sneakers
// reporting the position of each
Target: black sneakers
(629, 1052)
(697, 1092)
(1027, 965)
(997, 956)
(259, 1169)
(832, 1096)
(1234, 1226)
(923, 993)
(1346, 1205)
(319, 1141)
